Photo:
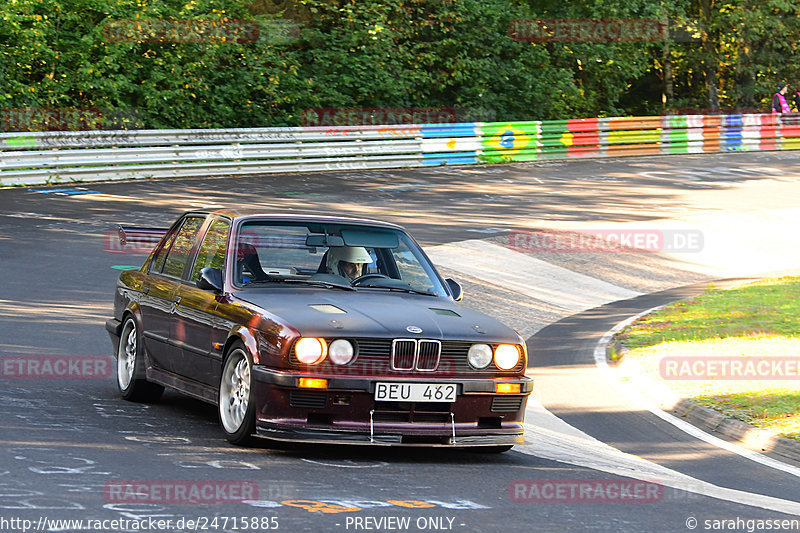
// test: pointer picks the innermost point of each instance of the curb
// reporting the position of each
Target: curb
(742, 433)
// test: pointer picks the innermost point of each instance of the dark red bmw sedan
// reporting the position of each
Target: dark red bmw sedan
(318, 329)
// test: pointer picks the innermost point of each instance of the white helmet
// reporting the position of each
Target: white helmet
(348, 254)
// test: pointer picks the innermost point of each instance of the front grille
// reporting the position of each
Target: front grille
(409, 354)
(308, 400)
(506, 404)
(428, 357)
(404, 353)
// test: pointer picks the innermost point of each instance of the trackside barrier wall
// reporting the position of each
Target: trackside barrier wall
(29, 158)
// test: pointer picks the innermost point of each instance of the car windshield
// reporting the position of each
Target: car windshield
(331, 255)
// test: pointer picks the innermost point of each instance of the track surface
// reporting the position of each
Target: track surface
(65, 440)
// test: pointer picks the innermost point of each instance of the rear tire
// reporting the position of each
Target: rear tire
(130, 363)
(236, 406)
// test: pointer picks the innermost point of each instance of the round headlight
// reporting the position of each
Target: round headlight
(310, 350)
(506, 356)
(341, 351)
(479, 355)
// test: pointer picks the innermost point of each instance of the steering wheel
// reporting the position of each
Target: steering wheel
(360, 279)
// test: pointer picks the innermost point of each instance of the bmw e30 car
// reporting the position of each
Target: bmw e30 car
(316, 329)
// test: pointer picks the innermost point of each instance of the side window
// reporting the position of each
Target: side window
(181, 249)
(212, 251)
(158, 260)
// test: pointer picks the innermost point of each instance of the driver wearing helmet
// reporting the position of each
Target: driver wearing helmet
(347, 261)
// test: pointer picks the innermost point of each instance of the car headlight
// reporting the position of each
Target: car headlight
(479, 355)
(341, 351)
(506, 356)
(310, 350)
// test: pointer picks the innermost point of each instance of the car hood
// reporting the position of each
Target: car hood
(366, 313)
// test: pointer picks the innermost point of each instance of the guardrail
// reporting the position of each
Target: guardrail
(29, 158)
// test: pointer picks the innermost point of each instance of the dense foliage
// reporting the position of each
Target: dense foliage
(420, 54)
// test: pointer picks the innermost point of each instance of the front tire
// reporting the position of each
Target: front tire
(236, 406)
(130, 364)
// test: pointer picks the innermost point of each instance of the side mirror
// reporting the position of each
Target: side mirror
(455, 289)
(210, 279)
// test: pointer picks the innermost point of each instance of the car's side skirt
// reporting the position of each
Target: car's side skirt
(186, 386)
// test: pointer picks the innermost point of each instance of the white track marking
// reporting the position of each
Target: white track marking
(553, 439)
(602, 365)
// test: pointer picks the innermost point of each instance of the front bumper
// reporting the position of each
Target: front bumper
(346, 412)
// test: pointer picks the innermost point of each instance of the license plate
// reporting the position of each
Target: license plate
(415, 392)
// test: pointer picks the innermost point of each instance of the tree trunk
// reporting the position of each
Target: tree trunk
(709, 55)
(669, 86)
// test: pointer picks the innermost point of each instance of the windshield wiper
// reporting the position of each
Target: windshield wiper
(404, 289)
(313, 282)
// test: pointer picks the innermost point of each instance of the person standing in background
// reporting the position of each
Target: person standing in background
(779, 104)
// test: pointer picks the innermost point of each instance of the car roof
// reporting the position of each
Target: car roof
(250, 213)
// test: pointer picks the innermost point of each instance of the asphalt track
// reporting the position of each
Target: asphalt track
(65, 441)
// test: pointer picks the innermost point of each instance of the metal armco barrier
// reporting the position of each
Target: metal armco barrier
(31, 158)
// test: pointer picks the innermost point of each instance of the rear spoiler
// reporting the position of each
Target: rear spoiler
(137, 235)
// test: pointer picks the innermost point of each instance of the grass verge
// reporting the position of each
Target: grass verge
(693, 346)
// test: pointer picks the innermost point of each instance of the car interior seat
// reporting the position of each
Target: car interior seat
(247, 262)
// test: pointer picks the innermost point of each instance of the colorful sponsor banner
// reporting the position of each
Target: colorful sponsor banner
(462, 129)
(633, 123)
(512, 141)
(463, 158)
(770, 127)
(452, 144)
(711, 133)
(582, 137)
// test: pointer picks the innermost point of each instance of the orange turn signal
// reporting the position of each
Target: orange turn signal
(506, 388)
(313, 383)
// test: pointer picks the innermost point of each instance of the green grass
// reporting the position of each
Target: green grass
(760, 319)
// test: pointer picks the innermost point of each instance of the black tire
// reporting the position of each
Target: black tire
(237, 408)
(130, 365)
